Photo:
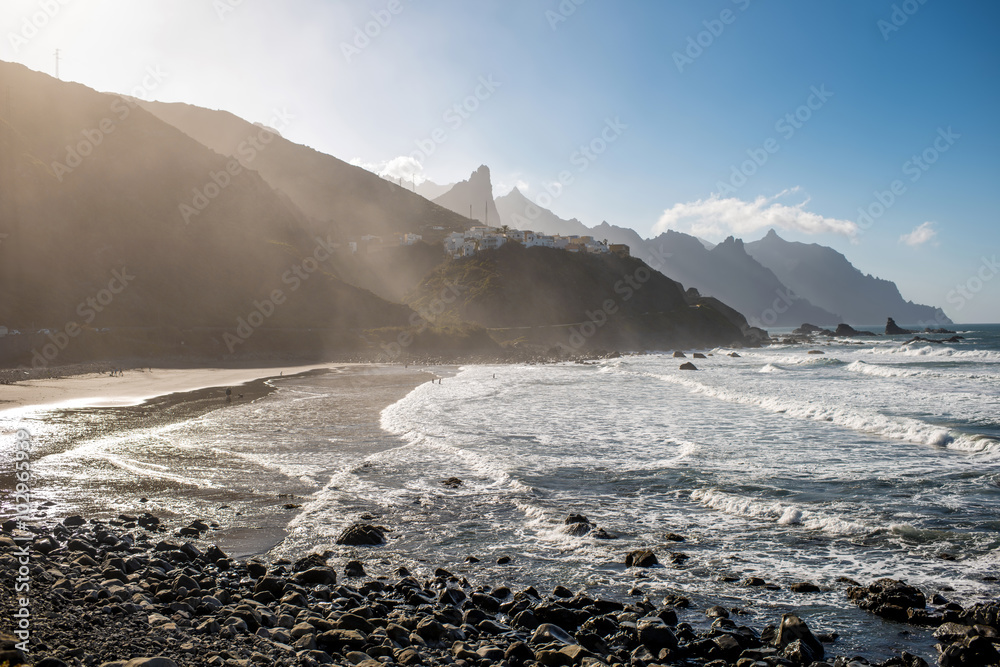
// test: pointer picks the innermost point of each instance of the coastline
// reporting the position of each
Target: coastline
(245, 523)
(137, 385)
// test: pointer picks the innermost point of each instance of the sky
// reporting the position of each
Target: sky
(865, 125)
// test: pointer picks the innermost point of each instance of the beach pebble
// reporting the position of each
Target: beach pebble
(354, 568)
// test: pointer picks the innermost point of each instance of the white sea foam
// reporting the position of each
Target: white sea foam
(895, 371)
(939, 351)
(858, 419)
(776, 512)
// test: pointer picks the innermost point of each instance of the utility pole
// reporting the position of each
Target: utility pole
(57, 63)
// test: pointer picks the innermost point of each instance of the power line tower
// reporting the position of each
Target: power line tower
(57, 63)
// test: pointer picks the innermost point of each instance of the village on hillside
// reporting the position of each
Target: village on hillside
(479, 238)
(476, 239)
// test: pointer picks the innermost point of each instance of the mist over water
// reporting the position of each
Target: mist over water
(866, 461)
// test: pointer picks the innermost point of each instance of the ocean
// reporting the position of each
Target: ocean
(871, 459)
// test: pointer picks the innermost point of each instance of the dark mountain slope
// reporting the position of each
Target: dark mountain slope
(575, 300)
(825, 277)
(93, 187)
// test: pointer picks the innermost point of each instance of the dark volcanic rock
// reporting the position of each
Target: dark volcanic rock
(847, 331)
(804, 587)
(324, 576)
(921, 339)
(793, 630)
(186, 608)
(892, 329)
(641, 558)
(688, 366)
(354, 568)
(362, 534)
(888, 598)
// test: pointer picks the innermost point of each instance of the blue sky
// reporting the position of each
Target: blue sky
(693, 90)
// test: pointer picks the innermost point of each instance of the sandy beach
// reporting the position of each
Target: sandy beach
(135, 386)
(98, 421)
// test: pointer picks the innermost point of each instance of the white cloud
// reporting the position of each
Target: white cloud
(920, 235)
(402, 167)
(716, 218)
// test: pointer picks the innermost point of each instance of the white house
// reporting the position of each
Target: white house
(491, 242)
(410, 239)
(541, 241)
(454, 242)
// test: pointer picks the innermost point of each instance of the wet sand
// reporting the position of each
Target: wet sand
(246, 523)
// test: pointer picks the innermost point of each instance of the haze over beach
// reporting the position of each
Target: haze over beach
(562, 333)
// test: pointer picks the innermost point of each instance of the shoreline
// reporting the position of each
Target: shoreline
(246, 522)
(148, 591)
(247, 536)
(136, 386)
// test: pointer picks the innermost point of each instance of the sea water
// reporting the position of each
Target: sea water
(872, 459)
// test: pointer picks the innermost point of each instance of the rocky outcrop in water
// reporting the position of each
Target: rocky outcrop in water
(808, 329)
(362, 534)
(847, 331)
(939, 341)
(966, 636)
(892, 329)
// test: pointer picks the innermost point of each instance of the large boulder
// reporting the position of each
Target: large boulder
(641, 558)
(362, 534)
(795, 638)
(888, 598)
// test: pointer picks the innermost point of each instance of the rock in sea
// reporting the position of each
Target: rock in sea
(362, 534)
